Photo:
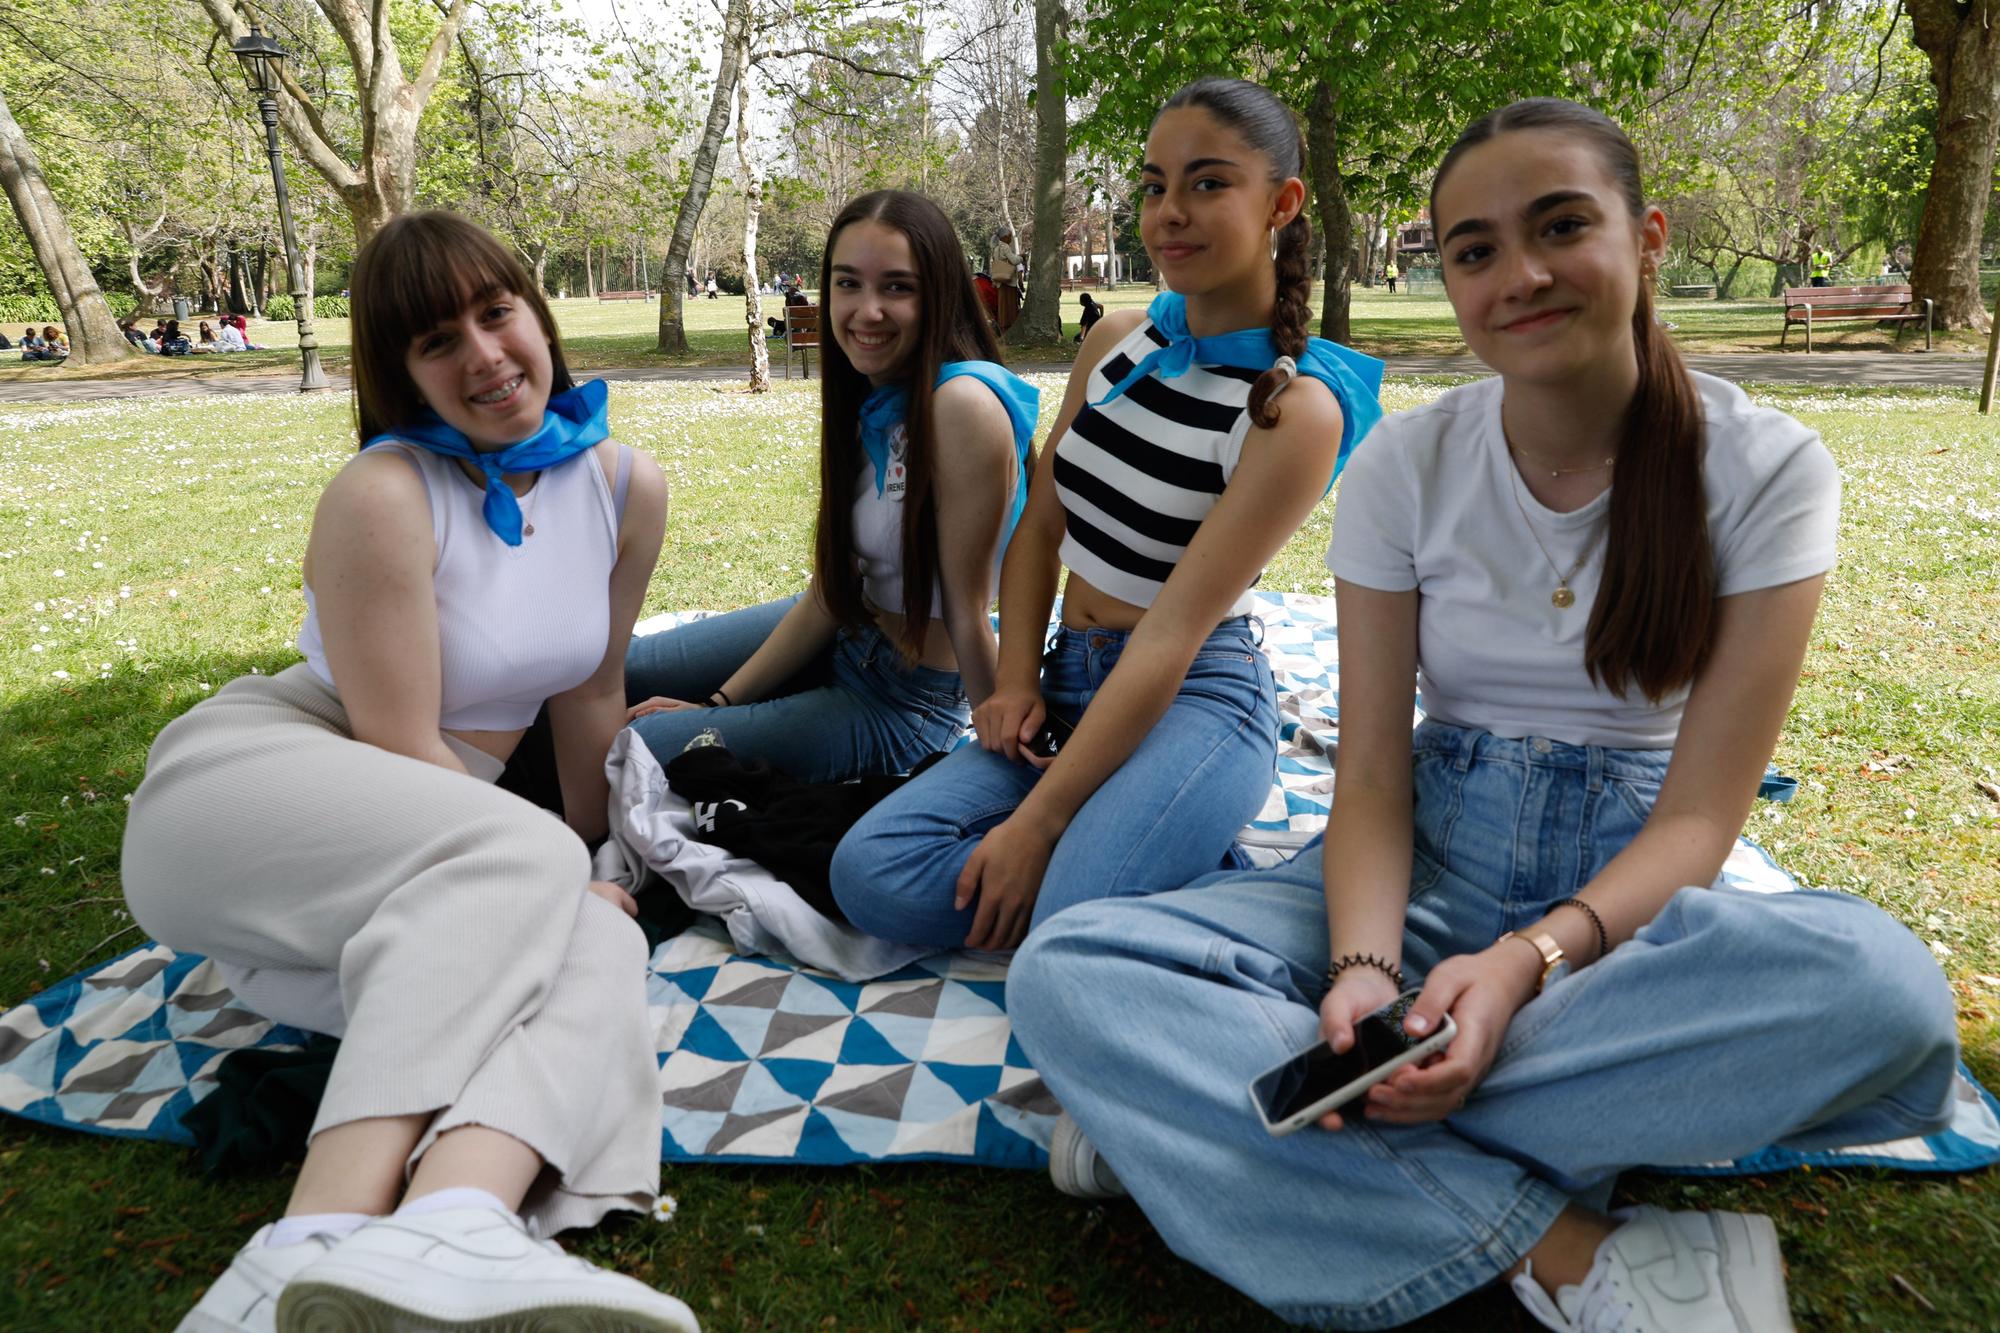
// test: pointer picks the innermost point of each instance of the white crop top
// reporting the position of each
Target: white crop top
(516, 624)
(878, 532)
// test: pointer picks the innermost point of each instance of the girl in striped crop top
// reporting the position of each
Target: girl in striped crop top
(1174, 478)
(924, 445)
(332, 837)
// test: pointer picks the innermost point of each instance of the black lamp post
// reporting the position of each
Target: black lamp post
(261, 57)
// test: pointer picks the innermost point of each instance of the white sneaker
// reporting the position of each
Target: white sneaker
(470, 1270)
(1667, 1272)
(245, 1298)
(1075, 1166)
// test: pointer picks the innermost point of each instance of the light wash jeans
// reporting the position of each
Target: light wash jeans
(1172, 810)
(1732, 1021)
(858, 709)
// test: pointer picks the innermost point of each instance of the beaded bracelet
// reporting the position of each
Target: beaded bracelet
(1380, 964)
(1603, 939)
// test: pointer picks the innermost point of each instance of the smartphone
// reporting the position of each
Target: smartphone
(1317, 1080)
(1055, 734)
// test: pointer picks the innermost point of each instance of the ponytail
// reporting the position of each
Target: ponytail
(1290, 321)
(1654, 618)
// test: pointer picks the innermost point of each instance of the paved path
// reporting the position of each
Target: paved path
(1934, 369)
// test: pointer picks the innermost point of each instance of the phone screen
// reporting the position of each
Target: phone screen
(1317, 1073)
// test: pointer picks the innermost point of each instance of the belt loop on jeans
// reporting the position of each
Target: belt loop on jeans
(1595, 768)
(1466, 743)
(1256, 630)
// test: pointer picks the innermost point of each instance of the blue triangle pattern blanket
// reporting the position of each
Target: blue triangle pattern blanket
(764, 1060)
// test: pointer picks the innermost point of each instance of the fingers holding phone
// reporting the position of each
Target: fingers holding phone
(1479, 994)
(1317, 1083)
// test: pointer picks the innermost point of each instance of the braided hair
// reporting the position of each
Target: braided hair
(1269, 127)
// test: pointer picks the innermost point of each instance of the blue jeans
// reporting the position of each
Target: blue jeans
(1170, 812)
(1732, 1021)
(857, 709)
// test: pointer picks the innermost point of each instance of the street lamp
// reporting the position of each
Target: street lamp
(262, 58)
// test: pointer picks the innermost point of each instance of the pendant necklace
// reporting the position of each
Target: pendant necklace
(528, 510)
(1562, 598)
(1554, 471)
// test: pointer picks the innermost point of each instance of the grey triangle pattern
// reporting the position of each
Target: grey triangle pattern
(736, 1126)
(717, 1094)
(763, 993)
(787, 1028)
(882, 1098)
(921, 1002)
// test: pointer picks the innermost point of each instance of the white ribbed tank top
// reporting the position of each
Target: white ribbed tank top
(516, 624)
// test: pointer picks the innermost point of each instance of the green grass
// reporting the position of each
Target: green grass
(152, 552)
(599, 335)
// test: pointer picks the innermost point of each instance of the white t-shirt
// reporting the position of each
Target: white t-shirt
(1429, 502)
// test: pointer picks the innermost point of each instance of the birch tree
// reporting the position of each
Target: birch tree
(753, 206)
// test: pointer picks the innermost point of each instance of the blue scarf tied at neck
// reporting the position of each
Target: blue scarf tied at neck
(574, 421)
(887, 405)
(1354, 377)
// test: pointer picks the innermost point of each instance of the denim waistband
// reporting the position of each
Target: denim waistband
(1467, 745)
(1245, 632)
(873, 649)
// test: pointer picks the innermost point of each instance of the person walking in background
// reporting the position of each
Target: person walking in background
(1092, 312)
(1003, 265)
(1822, 267)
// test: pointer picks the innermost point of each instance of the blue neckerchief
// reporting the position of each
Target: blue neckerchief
(888, 404)
(1354, 377)
(574, 421)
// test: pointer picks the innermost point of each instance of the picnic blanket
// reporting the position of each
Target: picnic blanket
(764, 1060)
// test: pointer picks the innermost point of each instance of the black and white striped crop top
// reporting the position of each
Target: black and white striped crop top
(1137, 476)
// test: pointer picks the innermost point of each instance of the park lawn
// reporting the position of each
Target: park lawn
(149, 553)
(601, 335)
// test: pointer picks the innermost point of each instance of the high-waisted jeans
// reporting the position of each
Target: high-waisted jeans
(1172, 810)
(1732, 1021)
(857, 709)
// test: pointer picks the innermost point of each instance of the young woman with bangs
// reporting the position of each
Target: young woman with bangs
(331, 836)
(924, 443)
(1175, 476)
(1600, 571)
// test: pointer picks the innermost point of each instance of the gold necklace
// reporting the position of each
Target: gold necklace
(1552, 470)
(1562, 598)
(527, 513)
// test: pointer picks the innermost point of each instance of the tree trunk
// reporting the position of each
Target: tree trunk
(1041, 311)
(1963, 43)
(94, 339)
(150, 294)
(753, 207)
(1336, 221)
(590, 270)
(539, 253)
(735, 40)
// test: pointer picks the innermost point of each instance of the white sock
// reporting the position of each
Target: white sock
(464, 1196)
(304, 1226)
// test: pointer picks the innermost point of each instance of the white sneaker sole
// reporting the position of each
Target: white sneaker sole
(316, 1305)
(1070, 1160)
(1753, 1270)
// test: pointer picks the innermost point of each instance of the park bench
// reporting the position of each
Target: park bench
(1085, 284)
(625, 296)
(1892, 303)
(1704, 291)
(801, 336)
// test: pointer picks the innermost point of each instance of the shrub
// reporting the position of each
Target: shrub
(324, 307)
(44, 310)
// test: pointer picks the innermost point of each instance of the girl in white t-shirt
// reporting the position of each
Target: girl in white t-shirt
(1604, 669)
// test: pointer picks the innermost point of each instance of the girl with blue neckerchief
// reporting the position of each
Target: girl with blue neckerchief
(332, 839)
(925, 439)
(1174, 478)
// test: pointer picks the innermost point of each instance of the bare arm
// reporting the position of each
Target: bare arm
(585, 719)
(371, 554)
(973, 468)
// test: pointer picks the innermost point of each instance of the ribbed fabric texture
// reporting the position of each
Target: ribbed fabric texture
(516, 624)
(1137, 476)
(480, 980)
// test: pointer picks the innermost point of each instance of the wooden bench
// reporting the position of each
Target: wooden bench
(801, 336)
(624, 296)
(1890, 303)
(1693, 291)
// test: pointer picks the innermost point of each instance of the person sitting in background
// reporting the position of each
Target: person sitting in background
(231, 338)
(242, 327)
(55, 343)
(5, 342)
(173, 342)
(126, 326)
(205, 340)
(31, 345)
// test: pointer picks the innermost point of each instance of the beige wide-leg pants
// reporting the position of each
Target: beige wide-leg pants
(477, 977)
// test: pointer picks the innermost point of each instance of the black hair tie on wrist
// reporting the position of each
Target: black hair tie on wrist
(1380, 964)
(718, 694)
(1603, 939)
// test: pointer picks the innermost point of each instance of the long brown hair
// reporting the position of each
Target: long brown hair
(954, 328)
(1268, 126)
(1654, 619)
(420, 270)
